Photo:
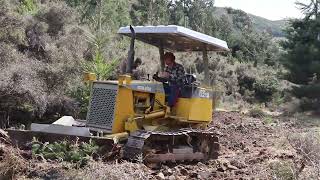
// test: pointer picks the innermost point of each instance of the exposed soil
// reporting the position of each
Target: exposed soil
(248, 147)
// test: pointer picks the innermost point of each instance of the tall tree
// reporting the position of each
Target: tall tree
(303, 45)
(110, 14)
(177, 13)
(303, 55)
(150, 12)
(310, 9)
(197, 15)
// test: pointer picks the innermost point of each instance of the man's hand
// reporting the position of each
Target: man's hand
(159, 78)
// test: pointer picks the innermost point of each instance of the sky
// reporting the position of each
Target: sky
(270, 9)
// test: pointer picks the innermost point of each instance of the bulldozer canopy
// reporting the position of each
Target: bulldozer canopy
(176, 38)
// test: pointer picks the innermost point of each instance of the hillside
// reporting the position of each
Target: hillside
(262, 24)
(259, 23)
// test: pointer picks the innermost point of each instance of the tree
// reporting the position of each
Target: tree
(247, 44)
(311, 9)
(198, 15)
(111, 14)
(303, 50)
(189, 13)
(146, 12)
(302, 56)
(177, 13)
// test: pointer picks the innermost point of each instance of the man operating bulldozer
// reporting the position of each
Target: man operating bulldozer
(172, 77)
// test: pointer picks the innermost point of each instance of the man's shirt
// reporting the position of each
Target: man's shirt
(176, 72)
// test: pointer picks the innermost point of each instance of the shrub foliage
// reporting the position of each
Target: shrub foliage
(78, 153)
(45, 46)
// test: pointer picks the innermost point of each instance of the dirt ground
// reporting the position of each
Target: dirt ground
(248, 146)
(251, 148)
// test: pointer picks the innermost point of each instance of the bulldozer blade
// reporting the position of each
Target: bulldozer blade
(21, 138)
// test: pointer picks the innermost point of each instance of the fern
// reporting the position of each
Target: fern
(28, 7)
(65, 151)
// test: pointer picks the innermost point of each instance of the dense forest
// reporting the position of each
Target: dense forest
(47, 45)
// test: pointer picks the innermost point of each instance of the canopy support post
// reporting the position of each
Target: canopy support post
(161, 52)
(206, 65)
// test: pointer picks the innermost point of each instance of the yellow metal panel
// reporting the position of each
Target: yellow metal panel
(144, 95)
(89, 77)
(182, 108)
(194, 109)
(124, 109)
(161, 98)
(124, 79)
(201, 109)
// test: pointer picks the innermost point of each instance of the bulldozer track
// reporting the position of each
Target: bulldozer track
(192, 144)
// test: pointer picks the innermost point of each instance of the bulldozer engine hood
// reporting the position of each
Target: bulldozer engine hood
(144, 86)
(156, 87)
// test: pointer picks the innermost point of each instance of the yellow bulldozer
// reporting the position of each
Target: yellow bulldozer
(135, 112)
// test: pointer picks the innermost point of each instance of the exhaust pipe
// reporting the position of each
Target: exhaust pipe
(130, 59)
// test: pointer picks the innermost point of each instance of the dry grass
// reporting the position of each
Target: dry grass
(307, 145)
(20, 164)
(14, 166)
(11, 162)
(282, 170)
(256, 113)
(100, 170)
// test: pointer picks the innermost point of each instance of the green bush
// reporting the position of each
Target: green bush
(82, 95)
(28, 7)
(268, 120)
(257, 84)
(97, 64)
(265, 88)
(253, 84)
(308, 91)
(282, 170)
(246, 77)
(77, 152)
(39, 61)
(309, 95)
(256, 113)
(102, 69)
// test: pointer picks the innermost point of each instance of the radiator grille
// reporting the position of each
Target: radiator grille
(102, 106)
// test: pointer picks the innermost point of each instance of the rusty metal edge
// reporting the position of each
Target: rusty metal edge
(20, 138)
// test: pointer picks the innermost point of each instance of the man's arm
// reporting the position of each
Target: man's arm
(180, 73)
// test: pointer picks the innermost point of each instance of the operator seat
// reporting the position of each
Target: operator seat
(189, 85)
